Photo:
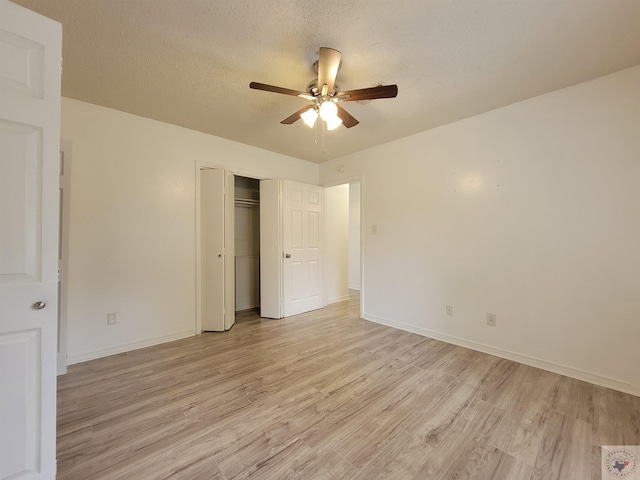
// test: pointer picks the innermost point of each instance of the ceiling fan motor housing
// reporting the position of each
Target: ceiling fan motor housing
(312, 88)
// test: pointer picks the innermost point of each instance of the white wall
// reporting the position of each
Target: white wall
(354, 235)
(337, 243)
(529, 212)
(132, 226)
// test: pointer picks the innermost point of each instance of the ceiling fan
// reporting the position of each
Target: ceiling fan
(326, 97)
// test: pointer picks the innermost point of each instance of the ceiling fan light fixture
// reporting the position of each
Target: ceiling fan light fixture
(324, 94)
(328, 111)
(333, 123)
(309, 117)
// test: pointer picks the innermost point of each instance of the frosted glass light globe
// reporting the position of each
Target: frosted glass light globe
(333, 123)
(309, 117)
(328, 111)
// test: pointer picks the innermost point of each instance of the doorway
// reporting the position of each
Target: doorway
(344, 271)
(247, 244)
(355, 270)
(227, 246)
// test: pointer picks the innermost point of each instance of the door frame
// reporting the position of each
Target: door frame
(229, 235)
(66, 162)
(343, 181)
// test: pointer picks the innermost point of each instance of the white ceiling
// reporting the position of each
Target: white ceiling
(189, 62)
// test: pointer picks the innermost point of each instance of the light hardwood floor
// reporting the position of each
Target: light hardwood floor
(326, 395)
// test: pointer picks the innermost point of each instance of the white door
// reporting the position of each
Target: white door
(212, 249)
(271, 254)
(30, 56)
(217, 280)
(303, 237)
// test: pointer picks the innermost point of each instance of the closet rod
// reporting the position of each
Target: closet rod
(247, 202)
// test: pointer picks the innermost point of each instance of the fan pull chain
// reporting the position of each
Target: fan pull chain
(323, 137)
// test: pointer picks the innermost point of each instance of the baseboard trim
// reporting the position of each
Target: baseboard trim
(85, 357)
(560, 369)
(338, 299)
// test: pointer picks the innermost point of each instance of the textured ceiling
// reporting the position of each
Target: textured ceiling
(189, 62)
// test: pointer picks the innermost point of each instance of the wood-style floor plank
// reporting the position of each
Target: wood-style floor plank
(326, 395)
(565, 449)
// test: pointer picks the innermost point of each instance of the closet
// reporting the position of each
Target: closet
(247, 243)
(250, 228)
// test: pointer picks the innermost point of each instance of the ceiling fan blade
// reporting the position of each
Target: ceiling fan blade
(348, 120)
(293, 118)
(328, 63)
(382, 91)
(271, 88)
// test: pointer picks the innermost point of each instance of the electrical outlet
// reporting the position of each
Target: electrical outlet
(491, 319)
(450, 310)
(111, 319)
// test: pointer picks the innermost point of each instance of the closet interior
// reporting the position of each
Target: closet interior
(247, 243)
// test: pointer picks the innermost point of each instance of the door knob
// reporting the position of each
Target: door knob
(39, 305)
(287, 255)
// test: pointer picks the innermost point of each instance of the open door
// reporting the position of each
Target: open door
(217, 276)
(30, 56)
(303, 240)
(291, 248)
(271, 253)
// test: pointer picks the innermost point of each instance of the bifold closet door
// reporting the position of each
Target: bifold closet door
(271, 248)
(212, 214)
(217, 272)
